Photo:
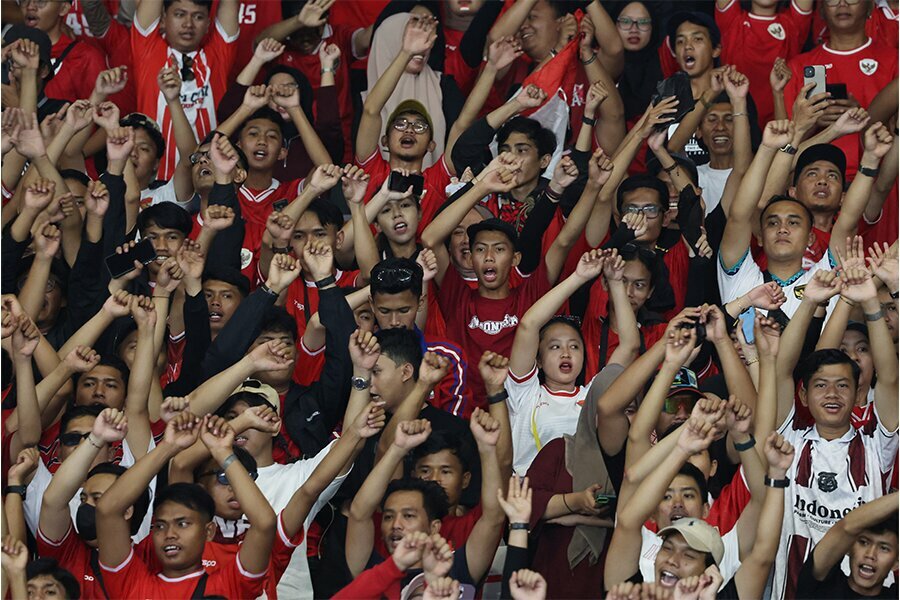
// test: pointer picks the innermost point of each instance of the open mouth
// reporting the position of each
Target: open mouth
(489, 275)
(565, 367)
(407, 141)
(668, 579)
(400, 227)
(205, 172)
(866, 571)
(234, 504)
(260, 155)
(171, 550)
(31, 20)
(634, 39)
(689, 62)
(832, 408)
(721, 140)
(240, 440)
(161, 258)
(215, 317)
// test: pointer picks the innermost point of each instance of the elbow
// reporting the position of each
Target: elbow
(266, 522)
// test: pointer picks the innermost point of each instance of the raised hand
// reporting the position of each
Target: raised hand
(779, 454)
(696, 436)
(25, 337)
(283, 271)
(412, 433)
(527, 585)
(274, 355)
(144, 312)
(711, 410)
(591, 264)
(261, 418)
(30, 141)
(182, 431)
(564, 174)
(79, 115)
(191, 259)
(503, 52)
(324, 178)
(493, 368)
(218, 217)
(173, 405)
(26, 463)
(256, 97)
(517, 503)
(216, 434)
(268, 50)
(106, 115)
(485, 429)
(96, 198)
(354, 182)
(110, 426)
(419, 36)
(222, 154)
(112, 81)
(408, 551)
(371, 420)
(530, 97)
(878, 140)
(442, 588)
(780, 75)
(857, 285)
(285, 95)
(10, 125)
(428, 261)
(778, 134)
(14, 556)
(822, 287)
(614, 267)
(314, 13)
(767, 296)
(169, 82)
(657, 116)
(47, 240)
(499, 180)
(600, 167)
(716, 330)
(852, 121)
(884, 265)
(83, 358)
(318, 259)
(767, 336)
(437, 559)
(169, 275)
(597, 93)
(736, 84)
(39, 194)
(364, 350)
(119, 143)
(329, 56)
(433, 369)
(738, 416)
(281, 227)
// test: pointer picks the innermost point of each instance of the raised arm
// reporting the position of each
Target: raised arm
(884, 183)
(354, 182)
(227, 16)
(147, 12)
(25, 340)
(142, 371)
(288, 97)
(169, 82)
(313, 14)
(611, 52)
(482, 542)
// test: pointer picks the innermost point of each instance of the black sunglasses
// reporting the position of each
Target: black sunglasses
(187, 68)
(73, 438)
(223, 479)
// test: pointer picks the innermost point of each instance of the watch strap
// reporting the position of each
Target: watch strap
(788, 149)
(868, 171)
(498, 397)
(326, 282)
(17, 489)
(776, 483)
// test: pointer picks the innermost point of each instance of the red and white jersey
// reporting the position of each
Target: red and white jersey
(77, 22)
(256, 206)
(199, 97)
(827, 480)
(778, 36)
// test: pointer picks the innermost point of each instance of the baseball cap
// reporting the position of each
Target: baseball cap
(685, 382)
(144, 122)
(493, 224)
(699, 535)
(825, 152)
(265, 392)
(697, 17)
(39, 37)
(410, 106)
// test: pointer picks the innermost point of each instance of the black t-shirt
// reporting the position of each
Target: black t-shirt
(833, 586)
(729, 592)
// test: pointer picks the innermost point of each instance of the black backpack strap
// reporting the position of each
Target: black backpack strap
(200, 590)
(97, 571)
(56, 64)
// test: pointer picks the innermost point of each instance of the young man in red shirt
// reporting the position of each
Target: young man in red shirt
(182, 524)
(75, 75)
(204, 66)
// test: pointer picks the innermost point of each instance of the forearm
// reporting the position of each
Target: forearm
(444, 223)
(215, 390)
(31, 297)
(743, 153)
(88, 334)
(780, 106)
(752, 185)
(311, 141)
(137, 397)
(254, 504)
(27, 408)
(368, 498)
(364, 246)
(648, 494)
(69, 478)
(611, 49)
(129, 486)
(737, 378)
(690, 123)
(643, 466)
(247, 76)
(28, 91)
(185, 140)
(559, 505)
(645, 419)
(98, 18)
(835, 326)
(504, 113)
(409, 409)
(509, 22)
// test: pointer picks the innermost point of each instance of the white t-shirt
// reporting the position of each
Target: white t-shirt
(746, 275)
(538, 415)
(712, 181)
(651, 543)
(827, 480)
(166, 193)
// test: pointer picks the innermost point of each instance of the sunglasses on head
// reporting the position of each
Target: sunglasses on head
(73, 438)
(223, 479)
(674, 403)
(389, 277)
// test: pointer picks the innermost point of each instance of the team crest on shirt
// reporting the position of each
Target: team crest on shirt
(826, 481)
(868, 66)
(798, 291)
(776, 31)
(246, 258)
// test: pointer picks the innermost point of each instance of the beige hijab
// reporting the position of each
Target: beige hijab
(424, 87)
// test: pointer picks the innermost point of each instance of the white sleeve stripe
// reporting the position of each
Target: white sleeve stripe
(245, 572)
(54, 543)
(146, 32)
(229, 39)
(121, 566)
(726, 6)
(526, 377)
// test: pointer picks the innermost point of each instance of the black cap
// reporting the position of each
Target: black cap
(228, 275)
(494, 224)
(144, 122)
(826, 152)
(697, 17)
(19, 31)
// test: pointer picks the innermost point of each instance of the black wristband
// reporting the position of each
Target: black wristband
(868, 172)
(518, 526)
(671, 167)
(277, 250)
(498, 397)
(745, 445)
(17, 489)
(776, 483)
(267, 290)
(588, 121)
(325, 282)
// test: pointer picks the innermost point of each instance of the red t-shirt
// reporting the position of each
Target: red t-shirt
(76, 76)
(77, 22)
(311, 67)
(256, 206)
(779, 36)
(479, 324)
(199, 97)
(253, 17)
(881, 26)
(437, 177)
(865, 70)
(454, 64)
(115, 44)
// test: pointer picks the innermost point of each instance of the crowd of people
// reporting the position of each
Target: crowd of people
(450, 299)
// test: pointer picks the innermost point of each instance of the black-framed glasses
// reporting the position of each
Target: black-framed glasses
(651, 211)
(643, 24)
(73, 438)
(223, 479)
(187, 68)
(404, 124)
(392, 277)
(198, 156)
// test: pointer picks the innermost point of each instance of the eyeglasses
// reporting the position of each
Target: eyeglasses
(198, 156)
(672, 404)
(625, 23)
(392, 277)
(837, 2)
(405, 124)
(73, 438)
(187, 68)
(651, 211)
(223, 480)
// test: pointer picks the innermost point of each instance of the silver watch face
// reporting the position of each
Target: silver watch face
(359, 383)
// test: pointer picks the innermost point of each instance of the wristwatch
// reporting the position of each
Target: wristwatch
(788, 149)
(868, 171)
(359, 384)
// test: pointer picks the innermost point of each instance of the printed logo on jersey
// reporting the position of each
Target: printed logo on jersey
(826, 481)
(246, 258)
(868, 66)
(798, 291)
(494, 327)
(776, 31)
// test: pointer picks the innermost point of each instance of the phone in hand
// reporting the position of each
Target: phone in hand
(398, 182)
(838, 91)
(120, 264)
(602, 500)
(747, 319)
(814, 74)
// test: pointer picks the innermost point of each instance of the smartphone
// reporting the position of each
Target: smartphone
(747, 318)
(418, 184)
(120, 264)
(397, 182)
(602, 500)
(814, 74)
(280, 205)
(838, 91)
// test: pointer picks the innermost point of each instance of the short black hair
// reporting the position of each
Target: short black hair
(166, 215)
(206, 3)
(326, 212)
(382, 280)
(242, 158)
(689, 470)
(278, 320)
(76, 412)
(291, 8)
(814, 361)
(783, 198)
(141, 505)
(79, 176)
(304, 87)
(49, 567)
(110, 360)
(637, 182)
(401, 346)
(543, 138)
(190, 495)
(649, 259)
(887, 525)
(267, 114)
(434, 498)
(439, 441)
